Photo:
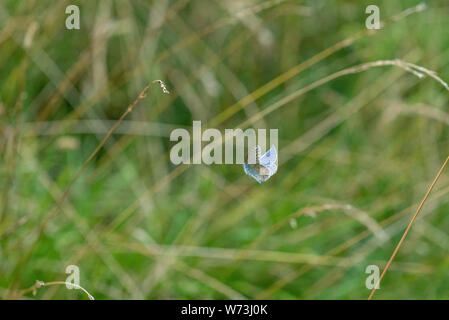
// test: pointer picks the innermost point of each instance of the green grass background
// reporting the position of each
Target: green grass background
(356, 154)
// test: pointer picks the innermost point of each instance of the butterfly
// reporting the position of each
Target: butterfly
(265, 165)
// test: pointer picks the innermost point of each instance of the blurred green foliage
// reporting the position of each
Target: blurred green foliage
(356, 154)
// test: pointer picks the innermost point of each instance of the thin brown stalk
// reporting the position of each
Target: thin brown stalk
(55, 209)
(408, 228)
(40, 284)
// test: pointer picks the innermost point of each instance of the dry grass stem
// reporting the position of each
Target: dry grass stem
(40, 284)
(408, 228)
(61, 200)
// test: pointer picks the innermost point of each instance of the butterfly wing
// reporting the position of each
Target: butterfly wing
(269, 160)
(269, 157)
(252, 171)
(273, 168)
(266, 167)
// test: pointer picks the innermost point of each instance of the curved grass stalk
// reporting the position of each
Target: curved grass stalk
(418, 71)
(40, 284)
(242, 103)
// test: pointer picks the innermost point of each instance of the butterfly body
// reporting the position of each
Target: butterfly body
(264, 167)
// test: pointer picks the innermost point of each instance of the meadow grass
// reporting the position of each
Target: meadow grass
(362, 126)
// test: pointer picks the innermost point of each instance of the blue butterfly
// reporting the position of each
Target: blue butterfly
(264, 167)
